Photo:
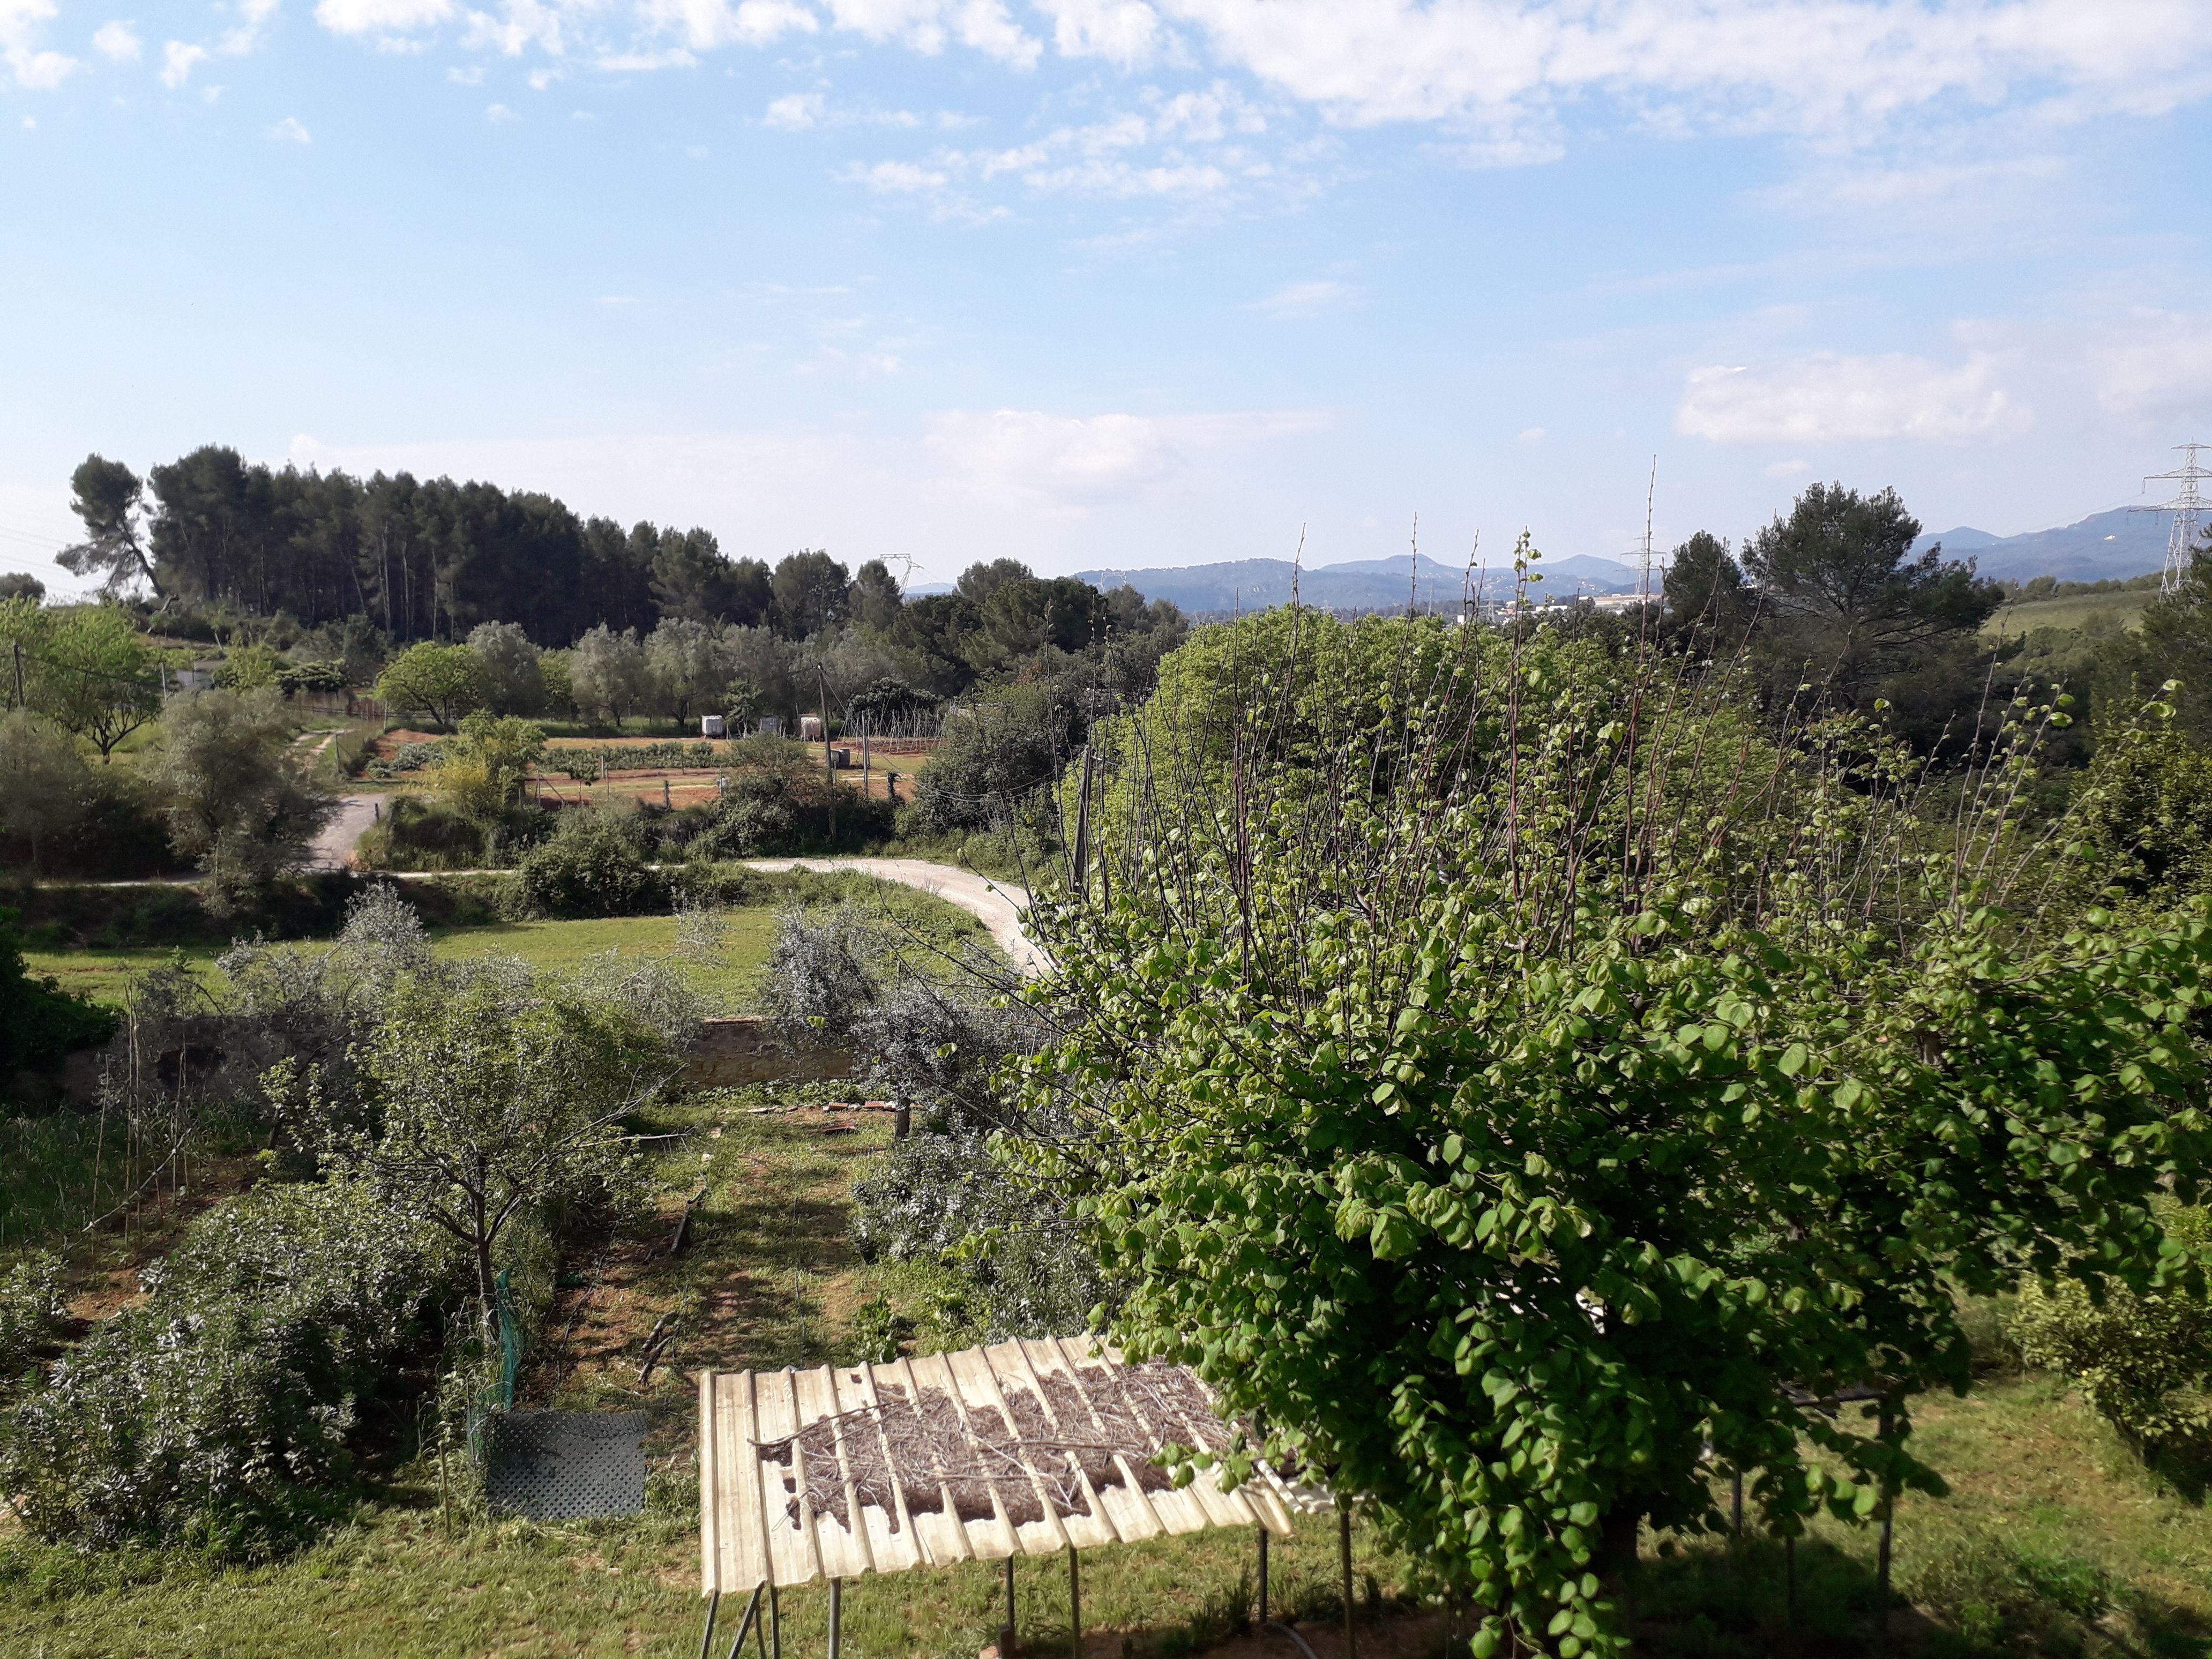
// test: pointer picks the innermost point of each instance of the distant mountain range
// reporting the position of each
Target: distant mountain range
(1356, 585)
(2119, 543)
(2105, 544)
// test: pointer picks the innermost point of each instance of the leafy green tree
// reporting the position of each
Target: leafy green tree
(688, 664)
(812, 594)
(442, 681)
(1510, 1108)
(97, 676)
(876, 596)
(105, 495)
(43, 782)
(1846, 605)
(509, 676)
(483, 769)
(692, 581)
(607, 673)
(248, 668)
(1708, 606)
(981, 579)
(554, 674)
(21, 584)
(488, 1103)
(237, 802)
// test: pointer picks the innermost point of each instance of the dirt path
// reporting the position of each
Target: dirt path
(998, 906)
(333, 847)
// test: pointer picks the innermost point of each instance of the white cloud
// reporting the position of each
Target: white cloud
(1800, 65)
(896, 177)
(794, 112)
(707, 24)
(519, 26)
(1296, 299)
(1792, 468)
(928, 26)
(499, 114)
(118, 42)
(1125, 32)
(1827, 398)
(1531, 434)
(2155, 364)
(289, 131)
(35, 68)
(381, 16)
(1062, 466)
(465, 75)
(178, 61)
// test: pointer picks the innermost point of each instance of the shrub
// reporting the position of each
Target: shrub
(944, 1198)
(2134, 1356)
(589, 867)
(821, 970)
(31, 1311)
(221, 1401)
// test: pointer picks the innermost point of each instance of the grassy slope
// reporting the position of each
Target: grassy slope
(2125, 608)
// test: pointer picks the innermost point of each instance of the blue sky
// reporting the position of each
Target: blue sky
(1116, 282)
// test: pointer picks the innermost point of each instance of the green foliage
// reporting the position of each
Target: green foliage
(93, 673)
(483, 771)
(590, 866)
(1507, 1119)
(38, 1021)
(236, 802)
(999, 755)
(31, 1313)
(211, 1409)
(442, 681)
(2134, 1355)
(248, 668)
(2144, 814)
(489, 1100)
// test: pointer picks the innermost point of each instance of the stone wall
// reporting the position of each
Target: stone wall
(745, 1049)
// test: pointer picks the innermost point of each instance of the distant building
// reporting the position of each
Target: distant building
(710, 725)
(810, 728)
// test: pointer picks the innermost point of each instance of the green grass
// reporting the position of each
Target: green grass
(725, 982)
(2121, 610)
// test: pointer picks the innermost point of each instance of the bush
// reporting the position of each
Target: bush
(31, 1312)
(590, 867)
(216, 1405)
(2134, 1357)
(944, 1198)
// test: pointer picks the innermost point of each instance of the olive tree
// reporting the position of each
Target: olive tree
(236, 800)
(1512, 1101)
(488, 1097)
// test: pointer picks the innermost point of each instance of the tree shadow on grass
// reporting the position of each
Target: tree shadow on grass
(1972, 1597)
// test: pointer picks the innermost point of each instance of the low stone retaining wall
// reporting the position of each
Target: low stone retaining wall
(746, 1050)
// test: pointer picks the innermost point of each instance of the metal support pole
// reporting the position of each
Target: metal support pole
(775, 1621)
(1074, 1603)
(836, 1614)
(714, 1606)
(1263, 1575)
(1006, 1634)
(1344, 1550)
(746, 1625)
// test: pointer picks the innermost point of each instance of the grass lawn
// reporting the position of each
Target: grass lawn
(725, 980)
